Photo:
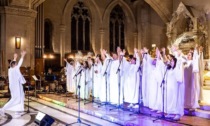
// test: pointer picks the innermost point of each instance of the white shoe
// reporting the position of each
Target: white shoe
(177, 118)
(169, 116)
(2, 113)
(17, 116)
(136, 106)
(130, 106)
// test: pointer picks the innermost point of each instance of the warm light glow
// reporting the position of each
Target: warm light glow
(51, 56)
(153, 45)
(44, 56)
(17, 42)
(70, 57)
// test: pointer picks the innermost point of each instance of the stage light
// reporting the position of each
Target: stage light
(43, 119)
(17, 42)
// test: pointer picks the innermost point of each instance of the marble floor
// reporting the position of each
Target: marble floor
(64, 110)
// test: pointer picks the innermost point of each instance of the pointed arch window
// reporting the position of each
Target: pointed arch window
(48, 30)
(80, 27)
(117, 28)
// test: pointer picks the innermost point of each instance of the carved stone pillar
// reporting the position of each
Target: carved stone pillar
(195, 29)
(207, 36)
(62, 43)
(135, 39)
(102, 38)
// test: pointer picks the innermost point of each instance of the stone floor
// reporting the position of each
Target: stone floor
(119, 116)
(64, 110)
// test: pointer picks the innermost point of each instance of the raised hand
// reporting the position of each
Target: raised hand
(201, 49)
(163, 50)
(123, 52)
(145, 50)
(135, 50)
(65, 59)
(23, 53)
(15, 56)
(119, 49)
(104, 51)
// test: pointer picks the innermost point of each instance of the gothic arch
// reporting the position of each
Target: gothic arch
(163, 12)
(94, 10)
(128, 12)
(95, 16)
(130, 24)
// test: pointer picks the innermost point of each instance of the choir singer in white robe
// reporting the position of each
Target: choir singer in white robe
(116, 96)
(16, 81)
(97, 76)
(131, 81)
(189, 81)
(174, 82)
(69, 77)
(198, 72)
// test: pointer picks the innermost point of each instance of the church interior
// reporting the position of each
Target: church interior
(53, 30)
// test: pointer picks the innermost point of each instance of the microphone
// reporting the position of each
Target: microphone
(169, 66)
(79, 71)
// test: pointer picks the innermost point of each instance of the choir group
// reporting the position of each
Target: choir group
(141, 78)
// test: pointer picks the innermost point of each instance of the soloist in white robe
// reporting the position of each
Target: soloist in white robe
(97, 79)
(69, 78)
(190, 88)
(114, 83)
(174, 90)
(16, 81)
(131, 81)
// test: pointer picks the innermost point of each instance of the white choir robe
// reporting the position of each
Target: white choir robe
(16, 81)
(198, 74)
(105, 82)
(89, 81)
(76, 78)
(114, 79)
(70, 85)
(97, 79)
(83, 81)
(131, 81)
(174, 90)
(160, 69)
(147, 60)
(154, 89)
(190, 89)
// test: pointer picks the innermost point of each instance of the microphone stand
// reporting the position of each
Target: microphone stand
(163, 100)
(119, 85)
(75, 76)
(105, 74)
(78, 119)
(93, 98)
(140, 93)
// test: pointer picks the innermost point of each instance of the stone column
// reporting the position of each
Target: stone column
(135, 39)
(208, 32)
(62, 43)
(102, 38)
(195, 29)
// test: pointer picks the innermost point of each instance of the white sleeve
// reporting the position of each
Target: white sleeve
(20, 62)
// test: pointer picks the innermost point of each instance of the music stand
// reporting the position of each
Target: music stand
(35, 78)
(28, 111)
